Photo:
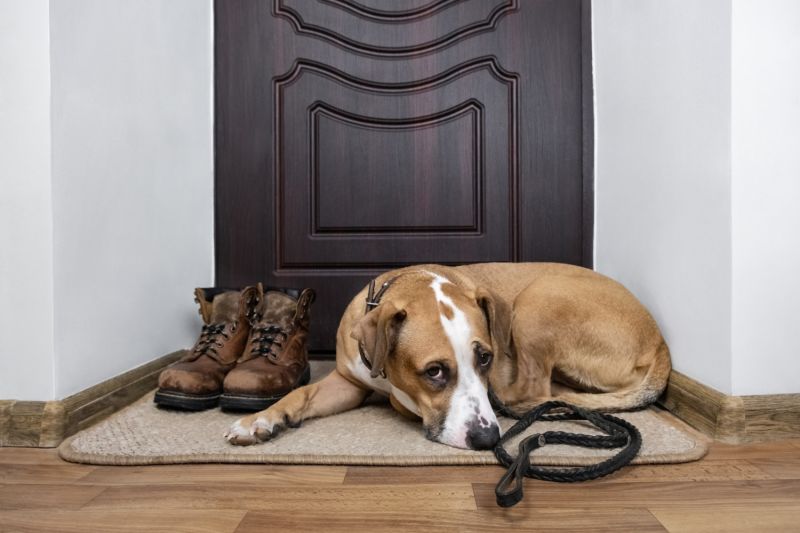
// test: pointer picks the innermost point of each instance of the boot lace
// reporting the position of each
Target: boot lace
(210, 339)
(267, 337)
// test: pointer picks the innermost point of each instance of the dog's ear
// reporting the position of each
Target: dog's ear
(498, 318)
(377, 334)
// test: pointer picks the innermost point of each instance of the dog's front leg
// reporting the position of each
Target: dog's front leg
(332, 394)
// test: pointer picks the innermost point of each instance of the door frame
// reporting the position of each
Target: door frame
(587, 112)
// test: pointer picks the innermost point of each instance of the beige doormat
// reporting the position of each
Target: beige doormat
(375, 434)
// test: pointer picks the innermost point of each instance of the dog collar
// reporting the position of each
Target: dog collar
(373, 298)
(373, 301)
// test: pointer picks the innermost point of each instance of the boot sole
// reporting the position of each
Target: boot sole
(243, 402)
(186, 402)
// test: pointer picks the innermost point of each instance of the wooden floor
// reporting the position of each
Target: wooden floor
(735, 488)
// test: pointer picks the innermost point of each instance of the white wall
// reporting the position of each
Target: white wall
(765, 196)
(698, 179)
(663, 213)
(106, 171)
(132, 181)
(26, 224)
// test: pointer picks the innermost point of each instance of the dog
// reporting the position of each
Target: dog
(436, 339)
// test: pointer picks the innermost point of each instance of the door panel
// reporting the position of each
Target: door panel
(408, 167)
(354, 137)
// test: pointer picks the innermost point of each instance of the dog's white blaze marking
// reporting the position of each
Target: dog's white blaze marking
(470, 398)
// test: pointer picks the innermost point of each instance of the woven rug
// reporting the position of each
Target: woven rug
(373, 434)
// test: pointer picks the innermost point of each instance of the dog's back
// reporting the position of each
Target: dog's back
(582, 330)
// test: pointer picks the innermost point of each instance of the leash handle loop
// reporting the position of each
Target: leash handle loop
(620, 433)
(508, 496)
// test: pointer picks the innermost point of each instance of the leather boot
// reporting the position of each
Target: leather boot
(275, 360)
(195, 382)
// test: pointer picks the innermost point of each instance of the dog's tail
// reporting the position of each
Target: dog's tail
(636, 397)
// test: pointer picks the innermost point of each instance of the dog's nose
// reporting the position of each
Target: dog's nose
(480, 438)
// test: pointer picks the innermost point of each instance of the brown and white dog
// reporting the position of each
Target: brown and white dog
(441, 336)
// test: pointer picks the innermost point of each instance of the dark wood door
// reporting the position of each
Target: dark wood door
(354, 136)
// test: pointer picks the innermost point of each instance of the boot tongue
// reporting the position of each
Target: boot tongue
(277, 309)
(225, 308)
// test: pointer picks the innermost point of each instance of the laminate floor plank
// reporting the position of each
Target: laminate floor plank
(540, 493)
(254, 475)
(723, 470)
(523, 519)
(122, 521)
(64, 496)
(36, 474)
(729, 518)
(781, 448)
(30, 456)
(779, 467)
(288, 498)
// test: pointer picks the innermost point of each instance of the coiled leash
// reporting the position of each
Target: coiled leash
(619, 433)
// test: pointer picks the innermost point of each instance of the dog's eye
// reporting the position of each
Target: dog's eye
(482, 355)
(434, 372)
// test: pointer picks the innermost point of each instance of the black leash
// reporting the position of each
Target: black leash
(620, 433)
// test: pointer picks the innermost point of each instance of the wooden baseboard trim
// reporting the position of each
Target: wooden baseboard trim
(46, 424)
(732, 419)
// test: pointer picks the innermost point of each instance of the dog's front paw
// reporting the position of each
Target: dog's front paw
(250, 430)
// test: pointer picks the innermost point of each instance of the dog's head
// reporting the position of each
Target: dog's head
(436, 346)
